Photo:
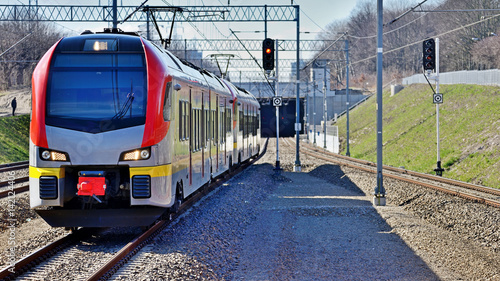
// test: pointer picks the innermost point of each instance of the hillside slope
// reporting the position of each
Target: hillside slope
(469, 129)
(14, 138)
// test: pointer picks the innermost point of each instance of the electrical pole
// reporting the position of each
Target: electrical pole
(115, 14)
(276, 87)
(379, 199)
(348, 153)
(438, 170)
(314, 108)
(325, 113)
(297, 167)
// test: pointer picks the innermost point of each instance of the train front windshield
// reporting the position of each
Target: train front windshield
(96, 92)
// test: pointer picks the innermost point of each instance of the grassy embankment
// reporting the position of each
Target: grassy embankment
(469, 129)
(14, 138)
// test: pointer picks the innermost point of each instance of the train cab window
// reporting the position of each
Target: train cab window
(167, 102)
(97, 92)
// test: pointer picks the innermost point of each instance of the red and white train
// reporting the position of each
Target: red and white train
(122, 131)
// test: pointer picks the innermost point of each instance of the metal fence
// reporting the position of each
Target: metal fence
(479, 77)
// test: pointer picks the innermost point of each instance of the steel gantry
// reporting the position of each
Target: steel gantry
(104, 13)
(250, 44)
(115, 14)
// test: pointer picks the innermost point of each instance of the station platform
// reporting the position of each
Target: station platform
(310, 229)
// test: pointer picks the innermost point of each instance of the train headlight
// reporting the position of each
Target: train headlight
(46, 155)
(145, 154)
(52, 155)
(137, 154)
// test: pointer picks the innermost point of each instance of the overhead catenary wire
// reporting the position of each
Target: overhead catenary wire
(15, 44)
(196, 28)
(438, 35)
(268, 83)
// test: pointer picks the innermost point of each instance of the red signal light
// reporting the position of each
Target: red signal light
(268, 54)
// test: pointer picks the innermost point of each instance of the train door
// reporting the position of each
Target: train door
(223, 108)
(207, 127)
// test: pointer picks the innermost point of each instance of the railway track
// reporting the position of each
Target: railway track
(13, 184)
(477, 193)
(14, 166)
(121, 256)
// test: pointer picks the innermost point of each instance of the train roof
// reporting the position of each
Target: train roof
(131, 42)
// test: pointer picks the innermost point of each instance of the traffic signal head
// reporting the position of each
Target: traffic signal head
(429, 54)
(268, 54)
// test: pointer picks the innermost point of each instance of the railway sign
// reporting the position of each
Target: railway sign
(438, 98)
(277, 101)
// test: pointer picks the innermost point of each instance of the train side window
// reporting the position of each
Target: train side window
(207, 126)
(241, 120)
(228, 121)
(180, 122)
(214, 124)
(194, 136)
(199, 127)
(167, 102)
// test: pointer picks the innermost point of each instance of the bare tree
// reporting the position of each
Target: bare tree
(18, 63)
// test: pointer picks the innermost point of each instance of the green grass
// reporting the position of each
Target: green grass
(469, 130)
(14, 138)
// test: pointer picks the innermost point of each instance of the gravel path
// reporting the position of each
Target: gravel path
(244, 231)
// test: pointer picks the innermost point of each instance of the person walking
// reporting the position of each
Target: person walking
(14, 105)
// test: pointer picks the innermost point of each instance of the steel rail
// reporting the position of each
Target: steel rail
(12, 271)
(370, 167)
(129, 250)
(14, 191)
(14, 166)
(489, 190)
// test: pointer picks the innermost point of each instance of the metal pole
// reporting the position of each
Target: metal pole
(265, 21)
(325, 113)
(314, 109)
(379, 199)
(115, 14)
(438, 170)
(185, 49)
(307, 110)
(297, 167)
(276, 88)
(348, 153)
(147, 23)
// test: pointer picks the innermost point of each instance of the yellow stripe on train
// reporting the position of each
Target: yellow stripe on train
(46, 172)
(156, 171)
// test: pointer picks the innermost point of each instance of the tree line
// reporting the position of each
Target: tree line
(33, 40)
(468, 39)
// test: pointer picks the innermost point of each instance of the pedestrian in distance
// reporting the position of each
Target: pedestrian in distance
(14, 105)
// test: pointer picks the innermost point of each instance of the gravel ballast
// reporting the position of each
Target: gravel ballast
(267, 226)
(318, 224)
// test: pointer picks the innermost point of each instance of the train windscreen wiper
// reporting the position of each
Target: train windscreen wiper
(127, 105)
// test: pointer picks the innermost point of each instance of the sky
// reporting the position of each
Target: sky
(315, 15)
